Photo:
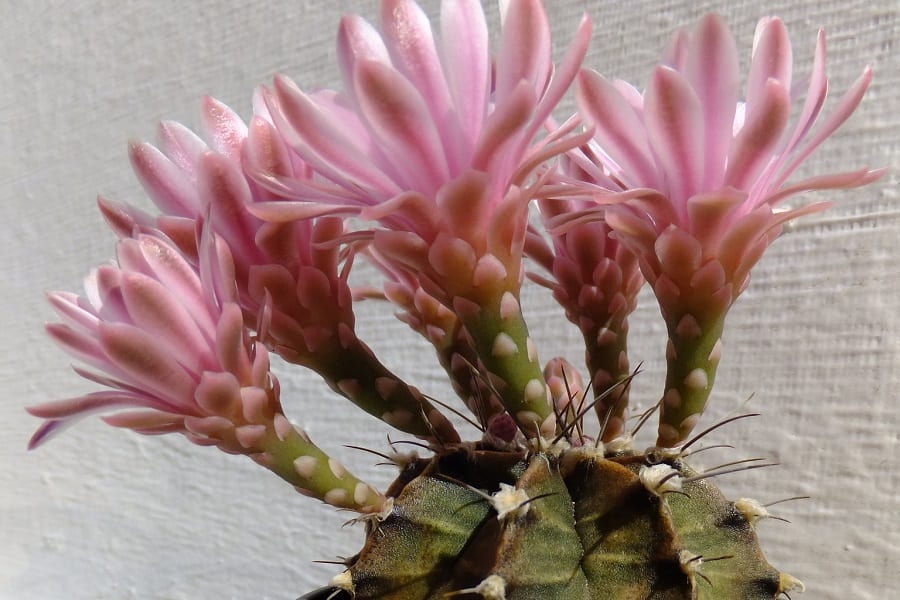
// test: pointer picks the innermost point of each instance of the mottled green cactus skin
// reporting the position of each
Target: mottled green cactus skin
(591, 530)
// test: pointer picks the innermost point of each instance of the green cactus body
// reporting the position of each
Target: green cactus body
(567, 524)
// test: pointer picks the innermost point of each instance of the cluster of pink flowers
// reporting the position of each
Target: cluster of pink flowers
(438, 150)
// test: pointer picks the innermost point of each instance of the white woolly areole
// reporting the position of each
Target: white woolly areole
(690, 562)
(493, 587)
(344, 581)
(620, 444)
(752, 510)
(509, 501)
(660, 479)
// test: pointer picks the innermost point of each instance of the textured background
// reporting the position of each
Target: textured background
(104, 514)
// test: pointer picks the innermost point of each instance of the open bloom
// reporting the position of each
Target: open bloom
(173, 349)
(696, 177)
(289, 272)
(438, 147)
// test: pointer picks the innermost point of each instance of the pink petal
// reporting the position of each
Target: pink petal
(501, 129)
(827, 182)
(70, 308)
(224, 128)
(674, 120)
(400, 120)
(357, 40)
(772, 59)
(123, 219)
(285, 212)
(847, 104)
(154, 308)
(265, 149)
(524, 52)
(136, 353)
(164, 182)
(179, 277)
(182, 146)
(617, 129)
(323, 142)
(713, 70)
(407, 33)
(148, 422)
(562, 79)
(754, 144)
(224, 190)
(467, 63)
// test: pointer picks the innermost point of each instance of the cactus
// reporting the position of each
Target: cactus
(426, 165)
(560, 523)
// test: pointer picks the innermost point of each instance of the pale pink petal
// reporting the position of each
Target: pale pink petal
(284, 212)
(323, 143)
(225, 130)
(524, 52)
(833, 181)
(83, 346)
(182, 146)
(265, 150)
(500, 130)
(178, 276)
(713, 71)
(223, 188)
(674, 121)
(815, 97)
(617, 129)
(408, 36)
(772, 59)
(399, 119)
(69, 307)
(154, 308)
(755, 142)
(60, 414)
(147, 422)
(163, 181)
(467, 63)
(562, 79)
(356, 40)
(847, 104)
(136, 353)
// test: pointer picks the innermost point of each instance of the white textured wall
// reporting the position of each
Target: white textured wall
(105, 514)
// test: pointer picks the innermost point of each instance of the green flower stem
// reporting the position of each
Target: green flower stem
(302, 464)
(352, 369)
(500, 338)
(692, 357)
(459, 360)
(609, 369)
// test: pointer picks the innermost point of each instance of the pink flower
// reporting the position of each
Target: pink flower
(172, 347)
(290, 273)
(438, 148)
(697, 177)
